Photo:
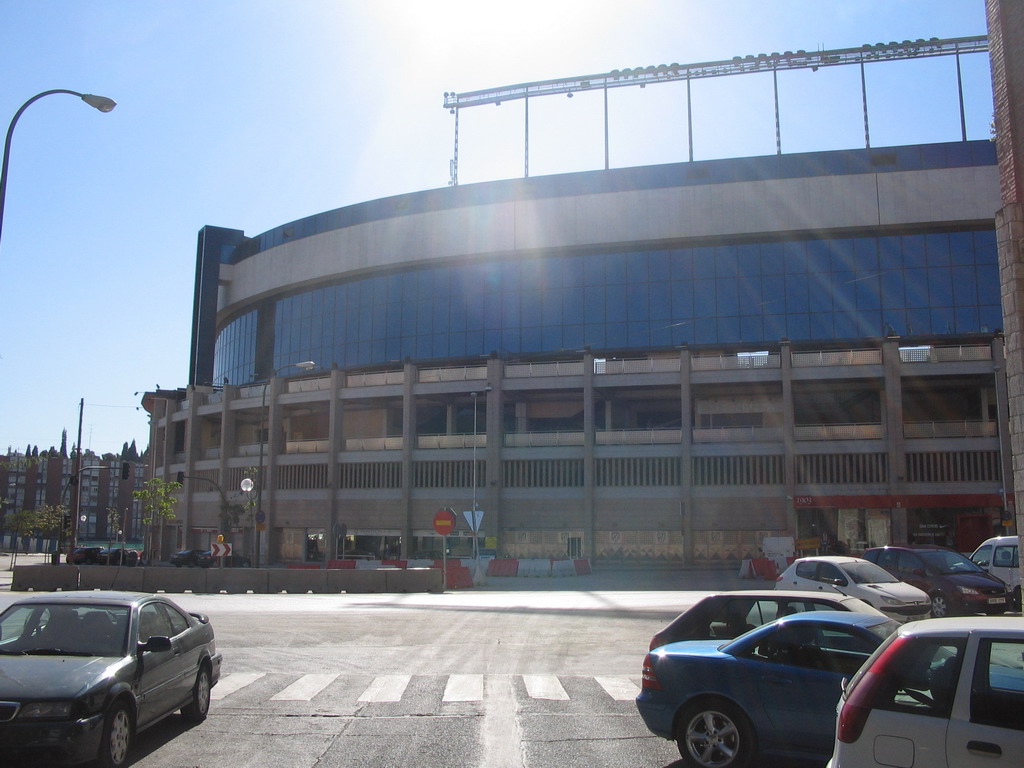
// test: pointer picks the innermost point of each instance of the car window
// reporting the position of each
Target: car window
(830, 572)
(1006, 556)
(997, 693)
(868, 573)
(950, 562)
(732, 617)
(908, 562)
(807, 570)
(85, 630)
(922, 677)
(178, 622)
(889, 559)
(983, 555)
(153, 622)
(809, 646)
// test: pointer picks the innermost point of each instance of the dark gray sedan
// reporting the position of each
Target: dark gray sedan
(82, 672)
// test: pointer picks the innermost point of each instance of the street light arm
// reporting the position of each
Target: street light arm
(102, 103)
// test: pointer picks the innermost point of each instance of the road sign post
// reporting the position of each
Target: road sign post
(444, 523)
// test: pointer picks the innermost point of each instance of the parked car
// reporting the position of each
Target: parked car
(944, 692)
(186, 558)
(1000, 556)
(772, 691)
(956, 585)
(206, 560)
(858, 578)
(118, 556)
(84, 555)
(730, 614)
(82, 672)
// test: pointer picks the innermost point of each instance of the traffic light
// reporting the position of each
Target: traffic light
(126, 470)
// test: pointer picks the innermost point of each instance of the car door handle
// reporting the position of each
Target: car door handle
(984, 748)
(777, 680)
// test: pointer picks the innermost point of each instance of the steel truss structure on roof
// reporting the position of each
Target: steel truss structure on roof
(738, 65)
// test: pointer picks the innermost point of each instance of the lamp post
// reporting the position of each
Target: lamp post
(102, 103)
(258, 517)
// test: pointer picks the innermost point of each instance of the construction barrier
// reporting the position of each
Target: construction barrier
(102, 577)
(44, 578)
(237, 581)
(174, 580)
(357, 581)
(341, 565)
(563, 568)
(296, 580)
(504, 566)
(582, 567)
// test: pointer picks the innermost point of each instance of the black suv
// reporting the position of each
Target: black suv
(955, 584)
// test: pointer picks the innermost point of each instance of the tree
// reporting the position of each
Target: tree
(19, 523)
(54, 520)
(158, 498)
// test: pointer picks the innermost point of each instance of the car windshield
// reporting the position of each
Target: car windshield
(950, 562)
(868, 573)
(63, 630)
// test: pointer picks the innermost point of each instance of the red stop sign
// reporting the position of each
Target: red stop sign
(444, 521)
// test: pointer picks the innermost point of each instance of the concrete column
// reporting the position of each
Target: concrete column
(686, 455)
(494, 425)
(273, 447)
(788, 437)
(335, 445)
(408, 444)
(589, 464)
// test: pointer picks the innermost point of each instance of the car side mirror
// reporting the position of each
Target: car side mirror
(202, 618)
(156, 644)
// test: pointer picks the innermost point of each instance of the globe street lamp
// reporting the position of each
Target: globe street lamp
(102, 103)
(259, 517)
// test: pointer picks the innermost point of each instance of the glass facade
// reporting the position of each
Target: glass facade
(915, 284)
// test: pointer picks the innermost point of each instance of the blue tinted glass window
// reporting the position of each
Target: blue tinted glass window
(681, 264)
(916, 287)
(658, 267)
(844, 255)
(748, 259)
(728, 329)
(752, 328)
(961, 248)
(991, 317)
(552, 307)
(869, 292)
(772, 259)
(703, 263)
(492, 311)
(965, 286)
(750, 297)
(572, 337)
(774, 290)
(593, 270)
(704, 298)
(552, 338)
(636, 267)
(638, 300)
(937, 248)
(682, 299)
(865, 251)
(532, 340)
(593, 300)
(615, 303)
(796, 293)
(818, 256)
(775, 327)
(705, 330)
(914, 253)
(985, 247)
(890, 253)
(572, 307)
(892, 289)
(615, 335)
(725, 261)
(510, 310)
(966, 320)
(795, 257)
(728, 298)
(660, 301)
(940, 287)
(918, 321)
(639, 334)
(798, 326)
(988, 287)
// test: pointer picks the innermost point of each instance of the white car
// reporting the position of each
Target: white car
(856, 577)
(942, 692)
(1000, 556)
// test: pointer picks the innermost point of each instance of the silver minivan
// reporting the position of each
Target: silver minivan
(1000, 556)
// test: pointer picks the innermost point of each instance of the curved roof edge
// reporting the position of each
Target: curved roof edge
(701, 172)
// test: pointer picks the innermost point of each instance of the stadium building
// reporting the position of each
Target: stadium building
(664, 364)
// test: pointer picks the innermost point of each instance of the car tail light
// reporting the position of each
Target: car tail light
(862, 692)
(650, 679)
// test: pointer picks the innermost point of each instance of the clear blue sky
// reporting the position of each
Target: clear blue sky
(252, 113)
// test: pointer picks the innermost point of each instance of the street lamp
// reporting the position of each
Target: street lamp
(258, 517)
(102, 103)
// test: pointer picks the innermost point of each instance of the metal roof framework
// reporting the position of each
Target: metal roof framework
(738, 65)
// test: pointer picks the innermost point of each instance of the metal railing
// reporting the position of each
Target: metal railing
(463, 373)
(536, 370)
(638, 365)
(309, 385)
(638, 436)
(735, 362)
(736, 434)
(542, 439)
(451, 441)
(375, 379)
(837, 357)
(307, 446)
(839, 431)
(925, 429)
(952, 354)
(374, 443)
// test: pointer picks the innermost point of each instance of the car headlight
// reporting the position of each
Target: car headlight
(53, 710)
(891, 601)
(968, 590)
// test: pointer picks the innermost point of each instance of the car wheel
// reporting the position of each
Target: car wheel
(196, 710)
(715, 734)
(118, 731)
(940, 605)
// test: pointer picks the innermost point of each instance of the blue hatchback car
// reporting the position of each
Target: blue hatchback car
(772, 691)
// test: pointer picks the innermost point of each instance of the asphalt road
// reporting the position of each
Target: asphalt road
(519, 673)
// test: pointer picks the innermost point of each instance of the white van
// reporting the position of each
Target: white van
(1000, 556)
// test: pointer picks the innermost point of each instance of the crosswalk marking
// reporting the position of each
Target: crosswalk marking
(386, 688)
(545, 687)
(619, 688)
(235, 681)
(464, 688)
(305, 688)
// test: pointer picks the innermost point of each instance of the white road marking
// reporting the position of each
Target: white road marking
(305, 688)
(386, 688)
(545, 687)
(464, 688)
(619, 688)
(233, 682)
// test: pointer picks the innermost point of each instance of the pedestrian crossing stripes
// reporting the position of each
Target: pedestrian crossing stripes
(391, 688)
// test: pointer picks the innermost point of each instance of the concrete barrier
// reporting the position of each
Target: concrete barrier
(357, 581)
(413, 580)
(582, 567)
(296, 581)
(534, 567)
(44, 578)
(563, 568)
(339, 564)
(109, 577)
(505, 566)
(174, 580)
(237, 581)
